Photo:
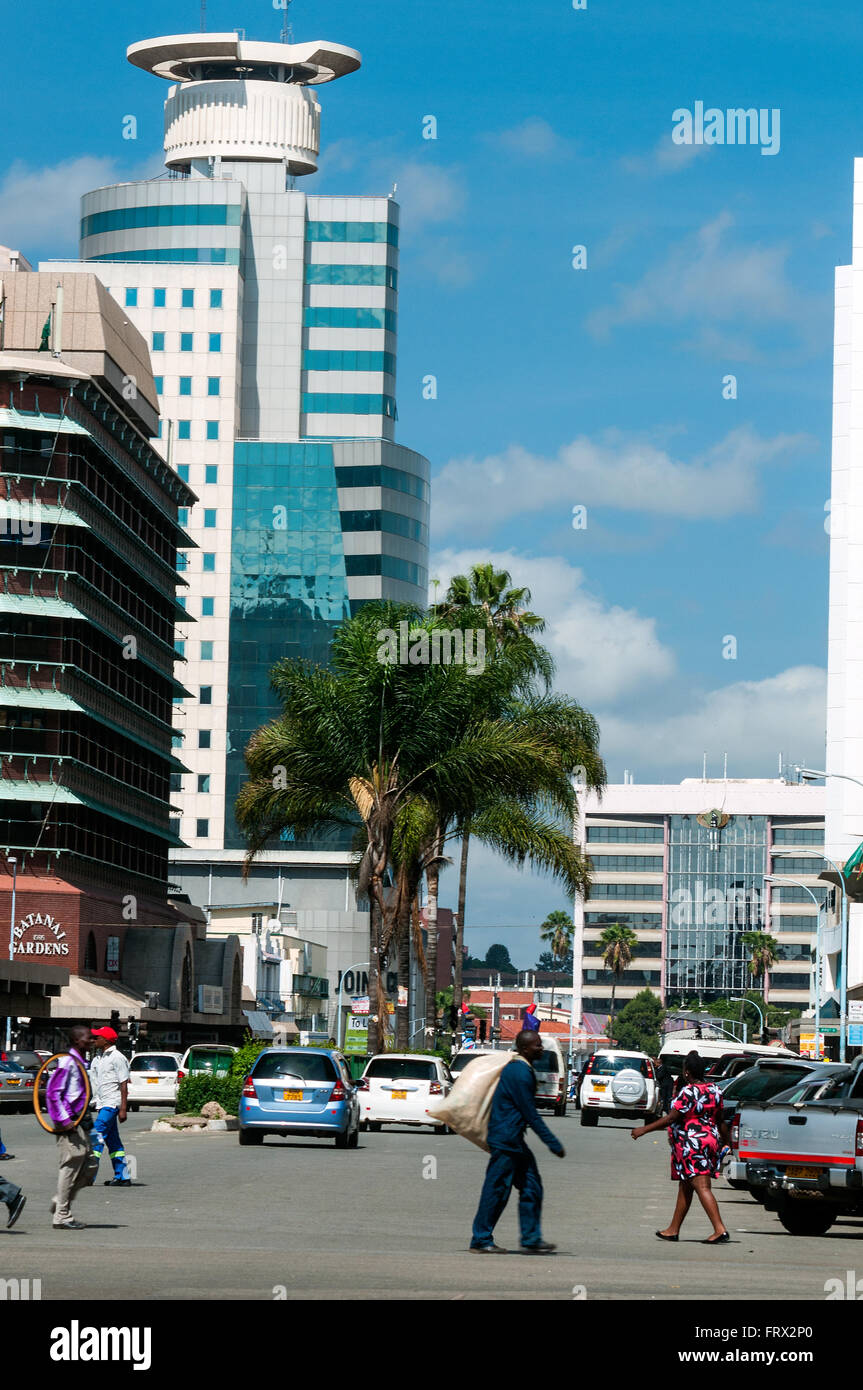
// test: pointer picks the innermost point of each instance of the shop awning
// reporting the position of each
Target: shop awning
(88, 999)
(259, 1025)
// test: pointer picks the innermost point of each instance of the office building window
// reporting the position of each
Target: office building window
(182, 516)
(215, 342)
(202, 829)
(626, 890)
(180, 647)
(186, 342)
(206, 651)
(158, 342)
(159, 383)
(185, 386)
(131, 299)
(158, 434)
(181, 599)
(187, 299)
(627, 863)
(797, 835)
(211, 473)
(205, 694)
(207, 607)
(203, 781)
(212, 429)
(209, 562)
(176, 782)
(158, 299)
(215, 299)
(209, 516)
(203, 738)
(626, 834)
(184, 429)
(176, 740)
(183, 471)
(214, 385)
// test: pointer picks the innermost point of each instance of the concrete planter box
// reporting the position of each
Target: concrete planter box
(193, 1124)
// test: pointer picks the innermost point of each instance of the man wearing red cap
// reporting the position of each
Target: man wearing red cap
(109, 1078)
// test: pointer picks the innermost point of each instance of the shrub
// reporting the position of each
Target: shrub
(193, 1092)
(246, 1057)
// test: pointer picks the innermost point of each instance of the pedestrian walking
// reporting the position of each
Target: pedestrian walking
(5, 1155)
(511, 1163)
(109, 1078)
(65, 1098)
(696, 1119)
(665, 1083)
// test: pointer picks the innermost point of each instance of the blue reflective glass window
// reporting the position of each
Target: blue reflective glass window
(326, 274)
(184, 429)
(315, 360)
(187, 299)
(158, 434)
(158, 342)
(211, 473)
(209, 563)
(158, 299)
(197, 255)
(180, 647)
(209, 516)
(131, 298)
(215, 299)
(212, 429)
(203, 781)
(187, 342)
(185, 386)
(326, 316)
(206, 651)
(159, 382)
(183, 471)
(207, 607)
(214, 385)
(182, 516)
(352, 231)
(347, 403)
(215, 342)
(202, 829)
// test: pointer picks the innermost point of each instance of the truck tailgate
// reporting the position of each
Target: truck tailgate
(813, 1136)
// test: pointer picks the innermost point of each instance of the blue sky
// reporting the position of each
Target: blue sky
(559, 387)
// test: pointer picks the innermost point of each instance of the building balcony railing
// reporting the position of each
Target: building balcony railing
(312, 986)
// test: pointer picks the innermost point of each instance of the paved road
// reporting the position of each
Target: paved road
(207, 1219)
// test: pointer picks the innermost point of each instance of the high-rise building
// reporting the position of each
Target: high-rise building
(271, 318)
(684, 867)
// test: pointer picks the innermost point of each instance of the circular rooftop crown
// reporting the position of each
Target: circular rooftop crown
(203, 57)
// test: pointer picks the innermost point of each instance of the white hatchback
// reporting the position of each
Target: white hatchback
(153, 1078)
(396, 1088)
(619, 1083)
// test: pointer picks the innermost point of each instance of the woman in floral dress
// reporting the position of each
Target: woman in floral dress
(694, 1121)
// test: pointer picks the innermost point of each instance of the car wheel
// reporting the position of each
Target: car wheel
(560, 1109)
(134, 1105)
(354, 1141)
(343, 1140)
(806, 1218)
(441, 1129)
(250, 1136)
(738, 1184)
(589, 1118)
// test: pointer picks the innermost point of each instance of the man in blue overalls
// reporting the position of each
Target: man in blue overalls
(511, 1163)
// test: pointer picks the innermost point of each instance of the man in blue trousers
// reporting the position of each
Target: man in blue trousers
(511, 1163)
(109, 1078)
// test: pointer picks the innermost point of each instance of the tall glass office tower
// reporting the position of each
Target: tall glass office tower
(271, 320)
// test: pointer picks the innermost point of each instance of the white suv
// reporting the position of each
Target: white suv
(619, 1083)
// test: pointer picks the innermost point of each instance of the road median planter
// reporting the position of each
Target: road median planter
(193, 1124)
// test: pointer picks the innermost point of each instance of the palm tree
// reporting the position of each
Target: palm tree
(617, 942)
(405, 749)
(764, 953)
(556, 932)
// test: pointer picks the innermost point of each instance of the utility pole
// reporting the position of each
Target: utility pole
(203, 16)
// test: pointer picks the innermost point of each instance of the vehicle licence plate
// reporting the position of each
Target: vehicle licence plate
(292, 1095)
(13, 1081)
(152, 1080)
(802, 1172)
(400, 1095)
(600, 1085)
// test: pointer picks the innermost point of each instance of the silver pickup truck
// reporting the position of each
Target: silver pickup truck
(801, 1153)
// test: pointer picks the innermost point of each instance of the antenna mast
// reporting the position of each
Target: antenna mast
(287, 34)
(203, 16)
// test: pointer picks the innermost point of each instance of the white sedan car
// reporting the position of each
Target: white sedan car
(396, 1088)
(619, 1083)
(153, 1078)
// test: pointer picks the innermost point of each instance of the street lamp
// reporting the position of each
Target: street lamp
(782, 878)
(843, 971)
(14, 862)
(743, 999)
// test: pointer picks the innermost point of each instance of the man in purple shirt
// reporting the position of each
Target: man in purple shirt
(64, 1099)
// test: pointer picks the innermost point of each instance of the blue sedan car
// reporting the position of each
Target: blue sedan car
(300, 1090)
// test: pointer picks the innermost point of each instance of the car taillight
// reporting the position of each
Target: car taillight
(181, 1076)
(338, 1092)
(435, 1088)
(858, 1139)
(249, 1089)
(735, 1133)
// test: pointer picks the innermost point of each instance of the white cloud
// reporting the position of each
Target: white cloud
(751, 721)
(533, 138)
(616, 471)
(39, 206)
(664, 158)
(705, 280)
(602, 652)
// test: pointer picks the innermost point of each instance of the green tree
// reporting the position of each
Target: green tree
(763, 954)
(556, 932)
(617, 943)
(497, 958)
(547, 961)
(639, 1024)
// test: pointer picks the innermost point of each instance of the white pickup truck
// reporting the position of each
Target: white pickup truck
(801, 1154)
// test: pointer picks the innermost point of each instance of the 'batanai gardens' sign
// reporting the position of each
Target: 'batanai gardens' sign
(45, 936)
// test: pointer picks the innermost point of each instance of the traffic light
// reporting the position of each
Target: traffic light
(453, 1017)
(482, 1030)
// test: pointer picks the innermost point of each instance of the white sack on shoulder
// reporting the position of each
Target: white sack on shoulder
(467, 1107)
